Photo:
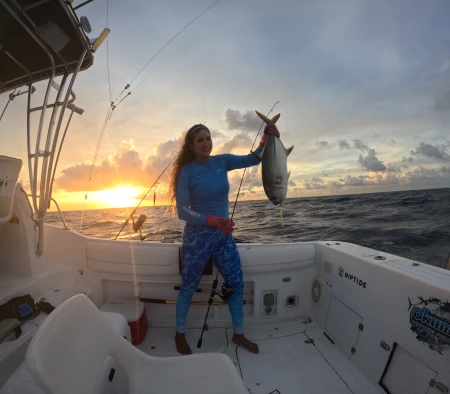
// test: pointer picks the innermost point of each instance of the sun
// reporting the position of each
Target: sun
(116, 198)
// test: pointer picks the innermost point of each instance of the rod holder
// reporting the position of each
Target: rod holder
(100, 39)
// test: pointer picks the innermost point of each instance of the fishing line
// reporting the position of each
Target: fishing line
(186, 47)
(215, 282)
(113, 104)
(91, 170)
(137, 206)
(107, 51)
(245, 169)
(165, 45)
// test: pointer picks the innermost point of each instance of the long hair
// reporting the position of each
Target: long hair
(184, 156)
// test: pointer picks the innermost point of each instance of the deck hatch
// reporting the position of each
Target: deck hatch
(343, 325)
(406, 374)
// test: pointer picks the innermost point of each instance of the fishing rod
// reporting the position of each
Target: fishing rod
(174, 302)
(142, 217)
(215, 282)
(226, 293)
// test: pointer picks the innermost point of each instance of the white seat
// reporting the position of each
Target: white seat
(72, 350)
(119, 323)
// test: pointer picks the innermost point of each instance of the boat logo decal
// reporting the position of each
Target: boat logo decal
(354, 279)
(430, 321)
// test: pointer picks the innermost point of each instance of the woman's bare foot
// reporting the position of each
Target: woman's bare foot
(240, 339)
(182, 345)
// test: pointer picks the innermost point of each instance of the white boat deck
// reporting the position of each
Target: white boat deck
(294, 358)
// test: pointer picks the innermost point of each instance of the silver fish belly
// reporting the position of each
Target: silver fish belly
(275, 174)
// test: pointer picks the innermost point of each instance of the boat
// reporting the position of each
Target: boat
(328, 316)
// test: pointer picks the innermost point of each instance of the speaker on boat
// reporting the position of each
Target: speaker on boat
(318, 290)
(9, 174)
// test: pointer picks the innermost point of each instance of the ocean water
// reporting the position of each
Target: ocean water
(413, 224)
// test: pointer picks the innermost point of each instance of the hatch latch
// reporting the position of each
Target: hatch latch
(438, 386)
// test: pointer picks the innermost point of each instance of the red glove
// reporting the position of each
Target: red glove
(226, 225)
(269, 129)
(272, 129)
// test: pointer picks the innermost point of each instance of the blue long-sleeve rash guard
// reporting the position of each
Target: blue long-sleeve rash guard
(202, 188)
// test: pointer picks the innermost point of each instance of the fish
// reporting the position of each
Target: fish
(273, 158)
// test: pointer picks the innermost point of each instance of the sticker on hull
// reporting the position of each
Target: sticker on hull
(430, 321)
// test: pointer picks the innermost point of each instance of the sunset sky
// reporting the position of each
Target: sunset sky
(363, 90)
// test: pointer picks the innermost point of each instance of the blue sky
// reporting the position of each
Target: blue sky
(363, 90)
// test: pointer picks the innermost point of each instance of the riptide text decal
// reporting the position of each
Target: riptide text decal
(354, 279)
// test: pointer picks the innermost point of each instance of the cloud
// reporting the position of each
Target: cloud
(247, 121)
(126, 156)
(252, 180)
(124, 167)
(216, 134)
(162, 156)
(371, 162)
(431, 151)
(314, 184)
(357, 144)
(344, 144)
(416, 176)
(360, 145)
(322, 144)
(240, 142)
(421, 173)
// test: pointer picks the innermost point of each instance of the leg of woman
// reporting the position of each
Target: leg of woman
(195, 252)
(231, 271)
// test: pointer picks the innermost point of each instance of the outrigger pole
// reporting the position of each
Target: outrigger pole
(215, 282)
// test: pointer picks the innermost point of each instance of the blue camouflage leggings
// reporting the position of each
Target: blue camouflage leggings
(199, 244)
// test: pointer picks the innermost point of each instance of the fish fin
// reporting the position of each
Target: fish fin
(289, 174)
(266, 119)
(275, 118)
(289, 150)
(263, 117)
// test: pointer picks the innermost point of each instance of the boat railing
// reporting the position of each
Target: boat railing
(56, 28)
(59, 211)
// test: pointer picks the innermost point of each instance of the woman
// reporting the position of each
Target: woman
(199, 184)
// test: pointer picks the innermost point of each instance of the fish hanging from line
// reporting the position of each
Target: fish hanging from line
(273, 158)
